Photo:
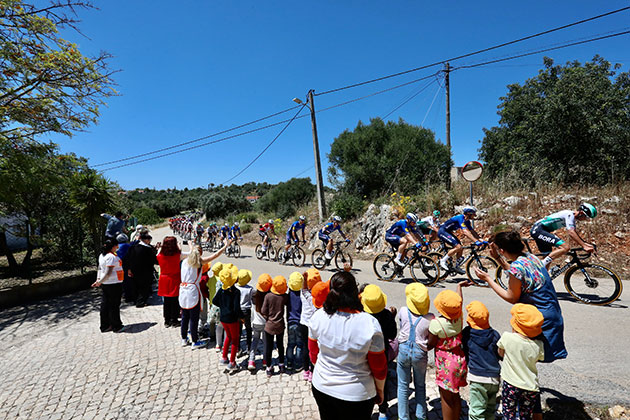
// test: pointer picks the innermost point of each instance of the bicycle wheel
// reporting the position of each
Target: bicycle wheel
(298, 256)
(503, 277)
(271, 253)
(318, 258)
(384, 266)
(424, 270)
(594, 284)
(280, 254)
(435, 256)
(236, 251)
(259, 252)
(484, 263)
(342, 258)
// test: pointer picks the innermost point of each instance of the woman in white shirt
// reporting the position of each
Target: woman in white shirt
(109, 277)
(347, 348)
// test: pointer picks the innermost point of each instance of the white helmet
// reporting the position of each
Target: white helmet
(302, 217)
(271, 221)
(226, 224)
(336, 219)
(235, 223)
(412, 217)
(469, 209)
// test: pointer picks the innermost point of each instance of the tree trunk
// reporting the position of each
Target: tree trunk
(26, 268)
(4, 249)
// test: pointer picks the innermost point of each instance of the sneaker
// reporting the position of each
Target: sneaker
(399, 263)
(121, 329)
(264, 364)
(305, 375)
(459, 270)
(382, 416)
(251, 365)
(231, 368)
(269, 372)
(199, 344)
(328, 256)
(185, 342)
(223, 361)
(444, 266)
(218, 349)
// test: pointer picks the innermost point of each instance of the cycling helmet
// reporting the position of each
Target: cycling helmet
(412, 217)
(469, 209)
(226, 224)
(235, 223)
(302, 217)
(436, 213)
(588, 210)
(122, 238)
(336, 219)
(271, 221)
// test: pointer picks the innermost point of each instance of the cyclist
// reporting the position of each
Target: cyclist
(292, 235)
(224, 232)
(429, 225)
(327, 230)
(264, 231)
(446, 234)
(403, 234)
(546, 241)
(199, 233)
(235, 231)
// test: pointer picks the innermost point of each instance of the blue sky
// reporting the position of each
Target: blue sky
(190, 69)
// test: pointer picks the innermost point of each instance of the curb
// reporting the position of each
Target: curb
(20, 295)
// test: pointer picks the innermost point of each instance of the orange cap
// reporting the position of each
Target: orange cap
(264, 283)
(320, 293)
(449, 304)
(279, 285)
(478, 315)
(312, 277)
(527, 320)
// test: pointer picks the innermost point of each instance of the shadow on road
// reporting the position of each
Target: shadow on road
(139, 327)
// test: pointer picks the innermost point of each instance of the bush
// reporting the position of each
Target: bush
(218, 205)
(347, 206)
(146, 216)
(286, 197)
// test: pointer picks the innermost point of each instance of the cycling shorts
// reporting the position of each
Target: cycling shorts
(324, 238)
(545, 241)
(448, 238)
(289, 239)
(393, 240)
(262, 234)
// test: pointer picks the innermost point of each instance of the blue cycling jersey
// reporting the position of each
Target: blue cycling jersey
(295, 227)
(234, 230)
(456, 223)
(401, 228)
(225, 230)
(330, 228)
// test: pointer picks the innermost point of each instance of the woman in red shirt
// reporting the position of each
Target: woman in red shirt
(169, 260)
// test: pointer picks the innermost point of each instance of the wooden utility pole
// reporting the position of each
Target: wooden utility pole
(318, 165)
(447, 70)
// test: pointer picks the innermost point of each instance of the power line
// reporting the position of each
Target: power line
(197, 139)
(378, 79)
(432, 102)
(268, 146)
(485, 63)
(304, 171)
(422, 89)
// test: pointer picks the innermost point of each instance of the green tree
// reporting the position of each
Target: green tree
(221, 204)
(146, 216)
(46, 84)
(286, 197)
(569, 124)
(381, 157)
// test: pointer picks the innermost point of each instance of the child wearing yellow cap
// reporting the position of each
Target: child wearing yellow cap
(247, 293)
(479, 342)
(445, 335)
(273, 310)
(258, 321)
(521, 351)
(295, 348)
(228, 299)
(311, 277)
(413, 349)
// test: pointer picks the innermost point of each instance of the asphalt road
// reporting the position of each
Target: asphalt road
(597, 338)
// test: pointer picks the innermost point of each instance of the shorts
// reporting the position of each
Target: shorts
(263, 235)
(393, 240)
(545, 241)
(289, 239)
(323, 237)
(448, 238)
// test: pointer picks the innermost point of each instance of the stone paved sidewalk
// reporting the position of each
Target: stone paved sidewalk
(56, 364)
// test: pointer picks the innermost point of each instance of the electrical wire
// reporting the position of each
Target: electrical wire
(422, 89)
(304, 171)
(432, 102)
(269, 145)
(378, 79)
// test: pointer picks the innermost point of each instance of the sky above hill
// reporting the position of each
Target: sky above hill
(193, 69)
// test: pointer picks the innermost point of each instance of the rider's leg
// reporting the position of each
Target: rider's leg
(329, 248)
(561, 250)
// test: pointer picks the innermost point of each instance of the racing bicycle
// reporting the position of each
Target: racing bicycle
(270, 253)
(423, 269)
(234, 249)
(341, 257)
(471, 260)
(294, 253)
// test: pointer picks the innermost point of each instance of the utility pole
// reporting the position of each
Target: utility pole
(448, 118)
(318, 165)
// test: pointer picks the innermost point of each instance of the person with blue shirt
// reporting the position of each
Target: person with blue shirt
(224, 232)
(292, 235)
(446, 233)
(403, 234)
(327, 230)
(115, 225)
(235, 231)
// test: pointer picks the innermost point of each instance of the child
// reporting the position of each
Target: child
(273, 312)
(214, 284)
(258, 322)
(520, 353)
(294, 311)
(445, 334)
(228, 299)
(311, 278)
(413, 349)
(479, 342)
(374, 301)
(247, 291)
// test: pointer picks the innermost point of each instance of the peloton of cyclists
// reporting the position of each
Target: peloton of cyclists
(446, 233)
(265, 232)
(546, 241)
(292, 235)
(327, 230)
(429, 225)
(402, 235)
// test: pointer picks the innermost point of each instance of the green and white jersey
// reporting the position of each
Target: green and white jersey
(558, 220)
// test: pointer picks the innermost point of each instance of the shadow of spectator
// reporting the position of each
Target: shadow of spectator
(138, 327)
(563, 407)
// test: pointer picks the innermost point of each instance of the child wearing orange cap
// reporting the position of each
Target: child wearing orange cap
(258, 321)
(311, 278)
(445, 335)
(521, 352)
(273, 311)
(479, 342)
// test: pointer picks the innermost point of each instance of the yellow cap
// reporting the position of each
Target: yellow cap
(217, 267)
(373, 299)
(244, 277)
(228, 277)
(527, 320)
(296, 281)
(312, 277)
(449, 304)
(478, 315)
(417, 298)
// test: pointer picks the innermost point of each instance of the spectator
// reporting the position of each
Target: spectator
(169, 259)
(109, 277)
(273, 311)
(228, 299)
(128, 290)
(295, 349)
(349, 374)
(258, 321)
(247, 293)
(135, 236)
(140, 261)
(311, 278)
(115, 224)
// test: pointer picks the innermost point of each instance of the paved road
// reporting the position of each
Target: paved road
(55, 363)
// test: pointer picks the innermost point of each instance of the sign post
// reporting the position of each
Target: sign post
(471, 172)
